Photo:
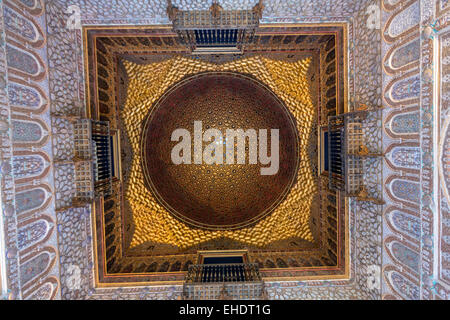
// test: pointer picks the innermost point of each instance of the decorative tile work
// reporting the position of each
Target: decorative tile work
(66, 71)
(62, 133)
(32, 233)
(29, 200)
(404, 223)
(442, 6)
(407, 157)
(154, 11)
(405, 54)
(444, 244)
(26, 166)
(19, 25)
(406, 190)
(351, 290)
(405, 123)
(406, 89)
(406, 19)
(76, 262)
(401, 86)
(402, 285)
(406, 256)
(43, 293)
(7, 182)
(417, 223)
(34, 267)
(440, 282)
(444, 153)
(25, 96)
(368, 240)
(31, 4)
(23, 61)
(31, 254)
(366, 45)
(26, 131)
(431, 282)
(64, 184)
(397, 283)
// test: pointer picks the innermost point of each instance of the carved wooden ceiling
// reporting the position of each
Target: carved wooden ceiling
(138, 240)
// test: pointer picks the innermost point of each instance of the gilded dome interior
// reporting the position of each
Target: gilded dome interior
(140, 99)
(219, 195)
(289, 223)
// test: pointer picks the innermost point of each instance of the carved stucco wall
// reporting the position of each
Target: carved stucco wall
(401, 238)
(415, 219)
(26, 169)
(365, 219)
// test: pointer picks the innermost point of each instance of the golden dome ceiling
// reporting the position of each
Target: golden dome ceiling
(153, 222)
(219, 195)
(136, 233)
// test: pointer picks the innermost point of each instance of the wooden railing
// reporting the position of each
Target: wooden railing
(347, 153)
(92, 160)
(237, 19)
(238, 272)
(215, 32)
(223, 281)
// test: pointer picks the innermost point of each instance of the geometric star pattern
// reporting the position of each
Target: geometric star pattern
(153, 223)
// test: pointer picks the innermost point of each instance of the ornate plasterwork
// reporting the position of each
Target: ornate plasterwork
(414, 230)
(144, 12)
(154, 261)
(150, 82)
(26, 169)
(63, 49)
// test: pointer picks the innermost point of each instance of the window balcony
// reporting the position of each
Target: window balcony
(223, 281)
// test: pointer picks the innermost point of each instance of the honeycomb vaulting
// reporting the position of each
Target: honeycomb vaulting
(147, 83)
(219, 195)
